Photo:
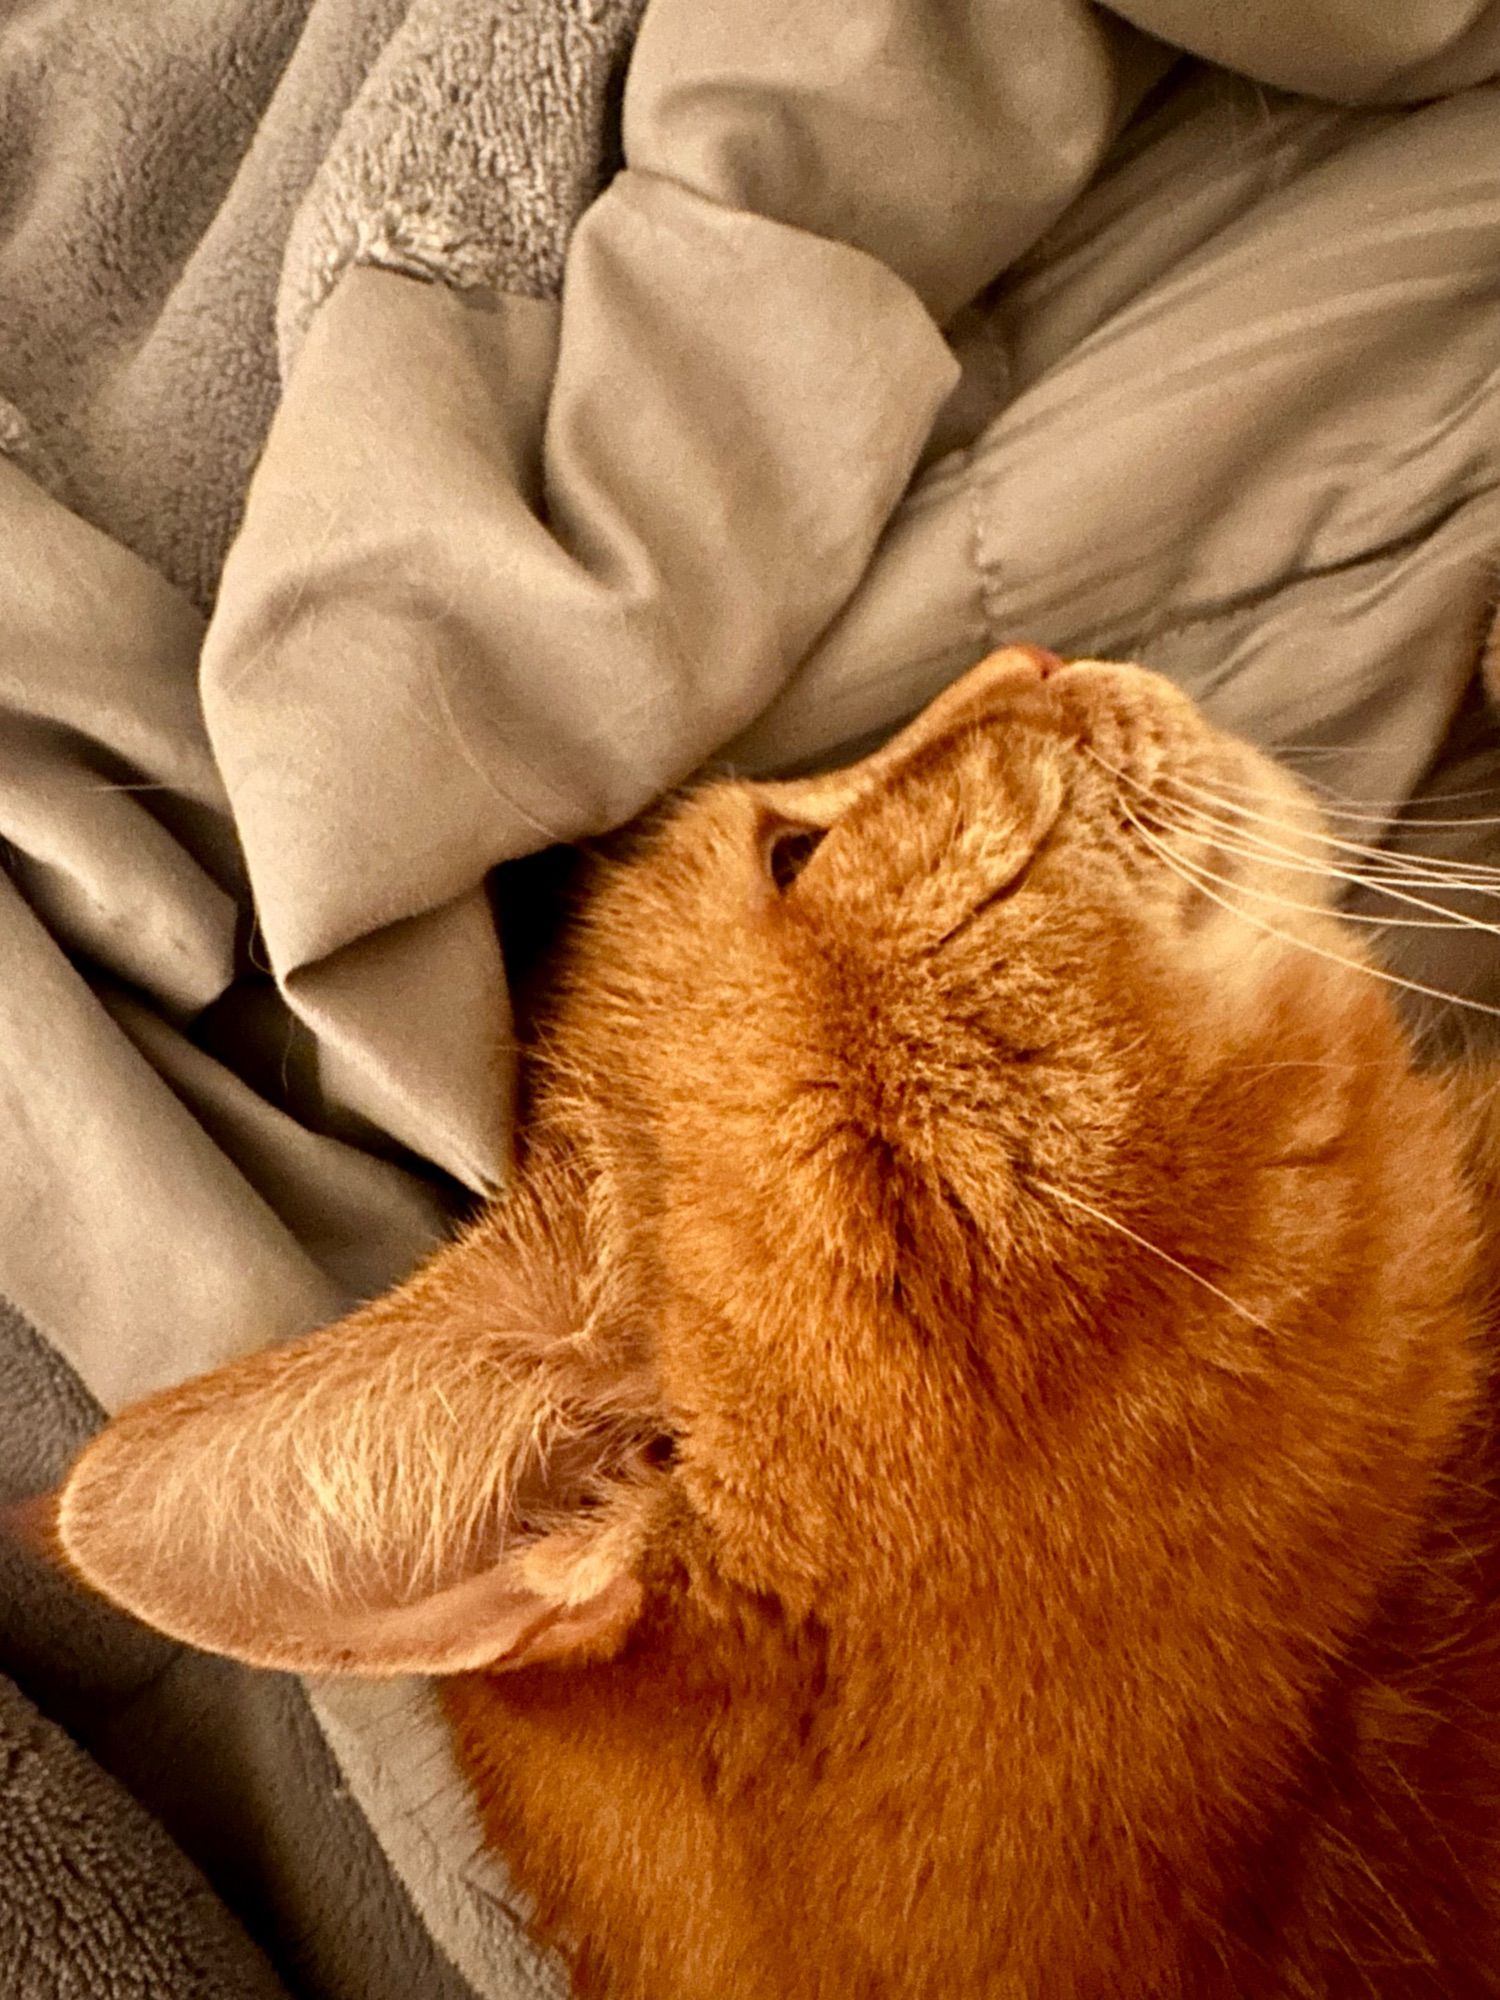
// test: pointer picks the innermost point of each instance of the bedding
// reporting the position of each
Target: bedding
(431, 429)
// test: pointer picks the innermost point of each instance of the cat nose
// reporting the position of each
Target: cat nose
(1009, 668)
(1046, 663)
(975, 695)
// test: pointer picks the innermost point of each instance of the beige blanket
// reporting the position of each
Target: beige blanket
(905, 329)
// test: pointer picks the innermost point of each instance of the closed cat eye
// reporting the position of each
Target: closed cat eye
(787, 849)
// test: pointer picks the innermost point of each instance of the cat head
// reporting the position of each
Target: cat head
(931, 1165)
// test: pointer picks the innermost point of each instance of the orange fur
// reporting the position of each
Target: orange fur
(968, 1451)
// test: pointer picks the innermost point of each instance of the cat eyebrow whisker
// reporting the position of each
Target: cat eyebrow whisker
(1185, 870)
(1145, 1243)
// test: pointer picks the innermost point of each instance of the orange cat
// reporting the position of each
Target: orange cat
(963, 1466)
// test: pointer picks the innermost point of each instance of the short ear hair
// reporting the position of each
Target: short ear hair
(457, 1476)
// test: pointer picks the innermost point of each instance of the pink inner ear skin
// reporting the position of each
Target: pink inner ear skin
(489, 1620)
(495, 1619)
(575, 1633)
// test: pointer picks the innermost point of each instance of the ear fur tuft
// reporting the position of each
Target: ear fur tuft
(455, 1476)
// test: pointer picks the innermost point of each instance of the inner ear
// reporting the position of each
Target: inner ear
(460, 1475)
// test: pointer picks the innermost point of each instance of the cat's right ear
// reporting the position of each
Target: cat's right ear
(460, 1475)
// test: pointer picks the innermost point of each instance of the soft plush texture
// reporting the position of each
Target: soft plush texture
(225, 1766)
(97, 1902)
(379, 507)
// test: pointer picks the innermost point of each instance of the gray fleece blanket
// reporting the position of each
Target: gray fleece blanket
(99, 1905)
(122, 1756)
(95, 1899)
(429, 429)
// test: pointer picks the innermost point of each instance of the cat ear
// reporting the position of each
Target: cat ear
(457, 1476)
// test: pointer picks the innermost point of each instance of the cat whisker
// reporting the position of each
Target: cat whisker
(1183, 869)
(1144, 1242)
(1472, 874)
(1251, 847)
(1441, 899)
(1289, 749)
(1438, 863)
(1395, 810)
(1234, 835)
(1382, 805)
(1202, 872)
(1178, 816)
(133, 785)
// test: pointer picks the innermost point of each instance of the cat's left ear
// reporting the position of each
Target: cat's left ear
(461, 1475)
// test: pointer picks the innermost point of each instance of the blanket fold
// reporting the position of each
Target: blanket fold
(669, 492)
